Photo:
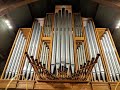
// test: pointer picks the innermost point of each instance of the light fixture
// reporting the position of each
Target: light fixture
(117, 27)
(8, 24)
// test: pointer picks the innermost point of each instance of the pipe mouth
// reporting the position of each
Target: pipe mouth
(25, 52)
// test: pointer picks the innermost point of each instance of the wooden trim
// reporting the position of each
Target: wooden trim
(79, 39)
(56, 85)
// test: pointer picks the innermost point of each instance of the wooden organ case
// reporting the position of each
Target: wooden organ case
(62, 51)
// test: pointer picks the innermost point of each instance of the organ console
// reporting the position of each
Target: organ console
(62, 48)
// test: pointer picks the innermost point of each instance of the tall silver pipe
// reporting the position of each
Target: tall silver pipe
(82, 57)
(83, 53)
(53, 62)
(71, 48)
(58, 48)
(78, 58)
(41, 55)
(62, 49)
(47, 55)
(58, 42)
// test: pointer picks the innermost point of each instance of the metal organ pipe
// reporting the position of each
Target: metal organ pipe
(71, 51)
(53, 62)
(83, 53)
(47, 55)
(58, 50)
(62, 40)
(58, 61)
(67, 41)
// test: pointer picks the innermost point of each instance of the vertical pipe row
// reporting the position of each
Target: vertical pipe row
(63, 54)
(44, 54)
(28, 70)
(81, 54)
(102, 72)
(77, 25)
(15, 57)
(90, 51)
(47, 26)
(111, 58)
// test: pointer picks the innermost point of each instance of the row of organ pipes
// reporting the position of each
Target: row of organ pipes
(32, 51)
(14, 61)
(98, 70)
(62, 54)
(48, 25)
(111, 58)
(63, 33)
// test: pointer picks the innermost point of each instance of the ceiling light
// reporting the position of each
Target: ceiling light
(117, 27)
(10, 27)
(8, 24)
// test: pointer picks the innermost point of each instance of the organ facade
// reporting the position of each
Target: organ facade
(62, 50)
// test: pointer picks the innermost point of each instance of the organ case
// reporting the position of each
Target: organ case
(64, 43)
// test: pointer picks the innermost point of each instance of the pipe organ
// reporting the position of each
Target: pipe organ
(62, 47)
